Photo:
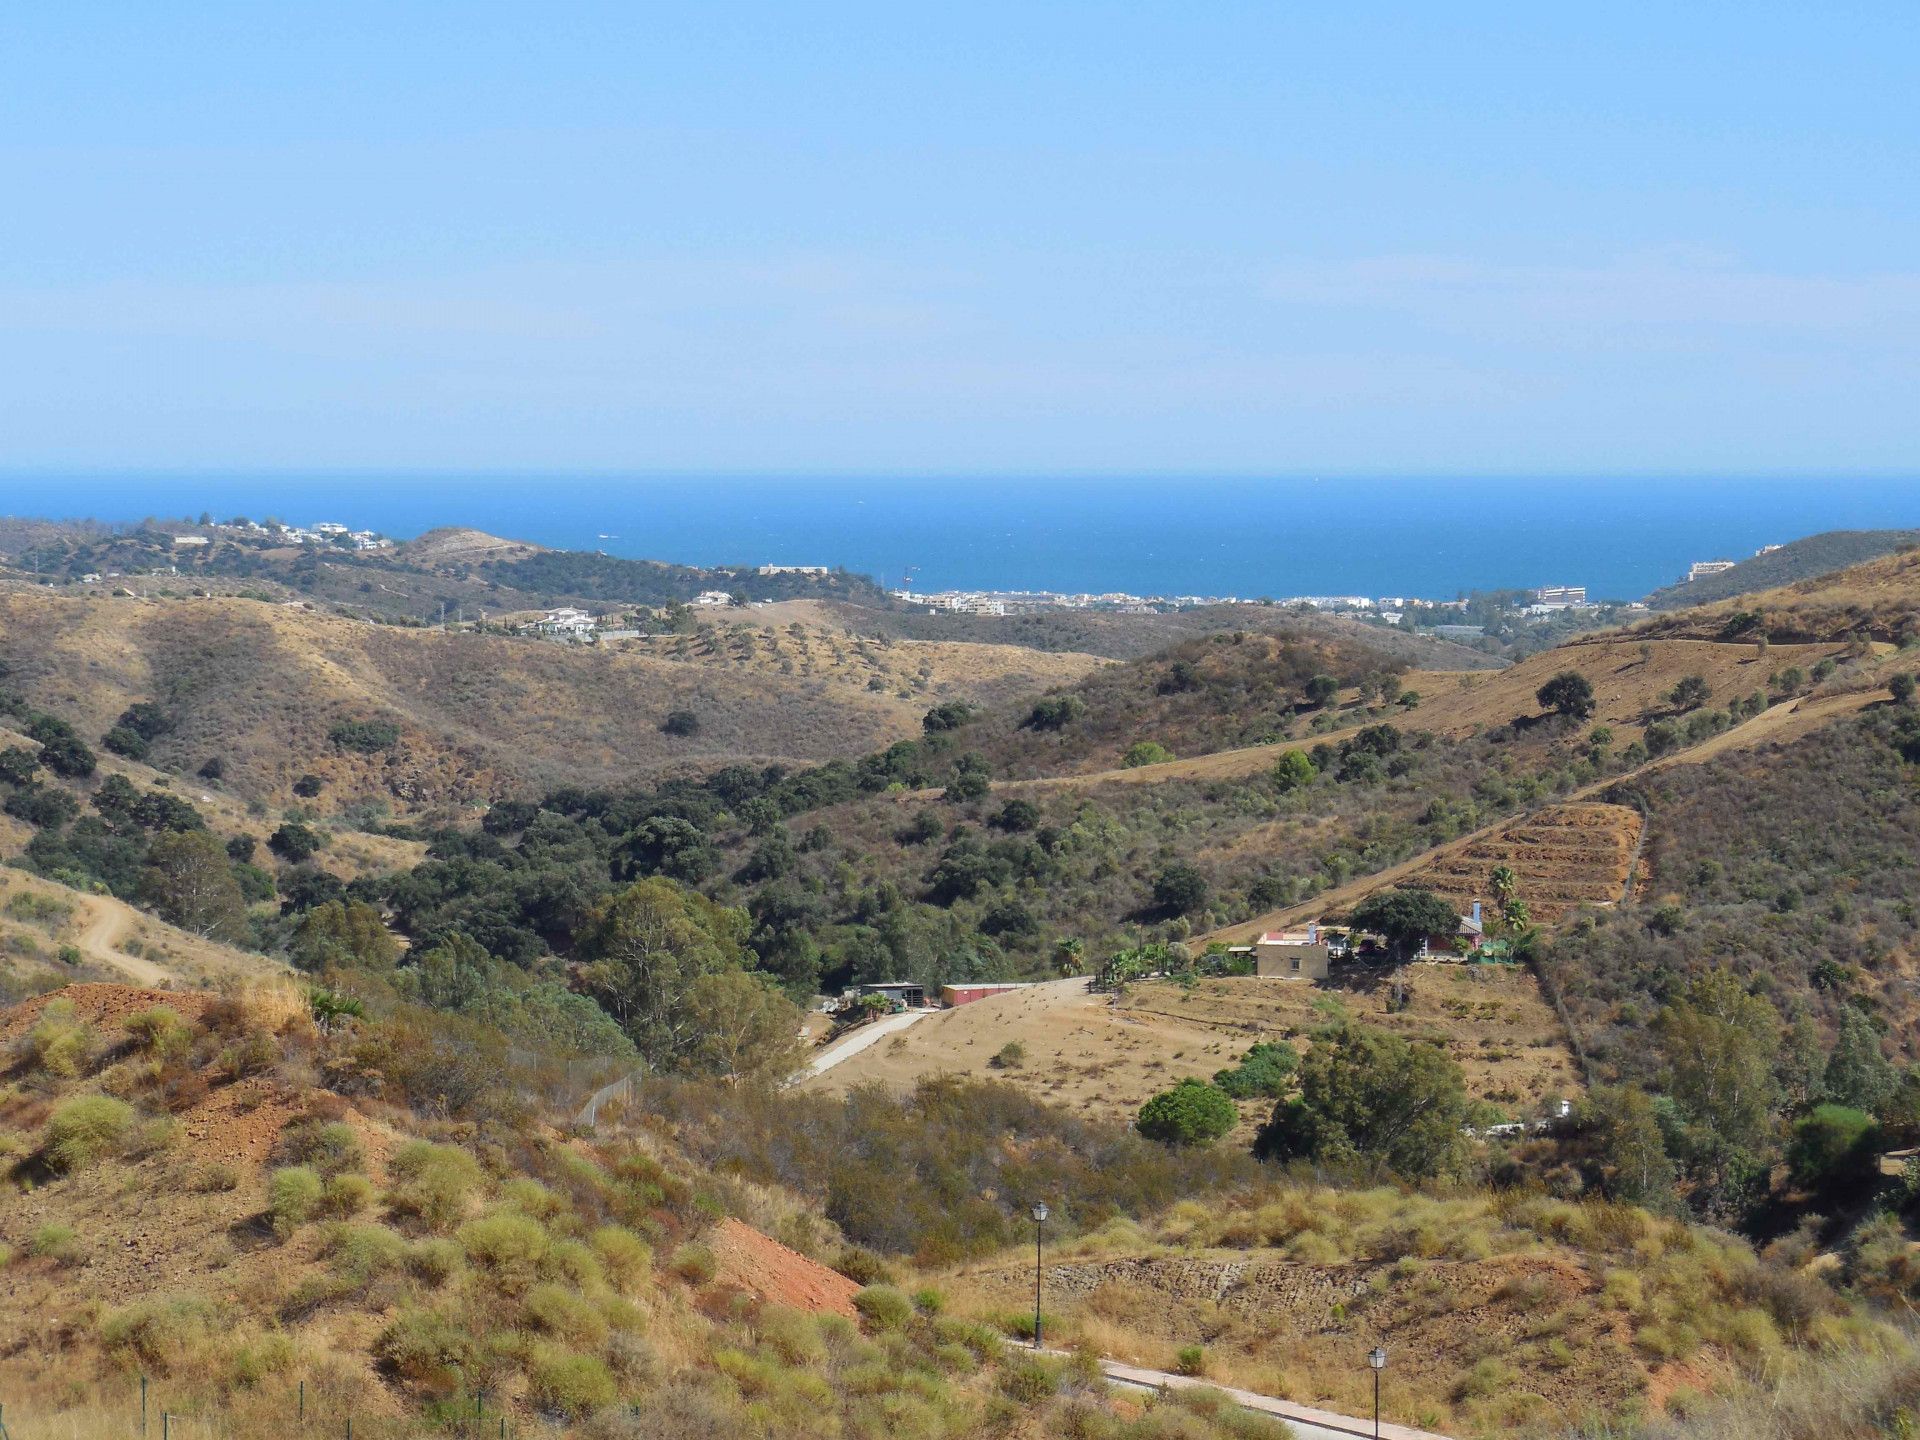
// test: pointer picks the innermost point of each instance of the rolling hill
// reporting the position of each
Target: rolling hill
(262, 686)
(1804, 559)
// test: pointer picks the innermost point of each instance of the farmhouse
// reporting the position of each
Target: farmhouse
(1293, 954)
(713, 597)
(1466, 939)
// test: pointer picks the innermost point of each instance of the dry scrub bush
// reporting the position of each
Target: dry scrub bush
(85, 1129)
(162, 1332)
(329, 1146)
(159, 1032)
(434, 1185)
(57, 1243)
(344, 1196)
(293, 1196)
(59, 1042)
(510, 1248)
(624, 1256)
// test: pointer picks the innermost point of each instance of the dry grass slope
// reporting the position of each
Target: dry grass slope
(479, 716)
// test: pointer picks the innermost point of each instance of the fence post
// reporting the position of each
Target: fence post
(166, 1426)
(303, 1402)
(143, 1404)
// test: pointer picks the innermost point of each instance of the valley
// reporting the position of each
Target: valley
(441, 885)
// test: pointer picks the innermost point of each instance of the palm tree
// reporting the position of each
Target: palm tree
(1068, 957)
(1504, 883)
(1514, 915)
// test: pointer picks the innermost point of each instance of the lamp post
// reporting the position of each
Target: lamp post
(1377, 1360)
(1040, 1213)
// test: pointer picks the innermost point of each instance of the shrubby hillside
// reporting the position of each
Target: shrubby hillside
(412, 718)
(1804, 559)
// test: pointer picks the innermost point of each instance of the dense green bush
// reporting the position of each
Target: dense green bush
(1192, 1113)
(85, 1129)
(1834, 1151)
(293, 1197)
(1368, 1095)
(367, 737)
(1265, 1070)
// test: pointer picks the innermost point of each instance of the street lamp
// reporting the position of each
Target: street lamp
(1040, 1213)
(1377, 1359)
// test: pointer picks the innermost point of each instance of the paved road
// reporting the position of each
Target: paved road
(869, 1034)
(1306, 1422)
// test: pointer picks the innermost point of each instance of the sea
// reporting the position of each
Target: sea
(1434, 538)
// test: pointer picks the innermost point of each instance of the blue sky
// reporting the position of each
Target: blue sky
(835, 238)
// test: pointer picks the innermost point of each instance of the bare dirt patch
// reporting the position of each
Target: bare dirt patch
(744, 1259)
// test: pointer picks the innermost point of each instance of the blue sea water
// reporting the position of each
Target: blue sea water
(1423, 537)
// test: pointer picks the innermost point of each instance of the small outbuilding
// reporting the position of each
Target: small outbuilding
(1293, 954)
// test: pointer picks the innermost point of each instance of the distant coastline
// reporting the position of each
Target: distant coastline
(1620, 539)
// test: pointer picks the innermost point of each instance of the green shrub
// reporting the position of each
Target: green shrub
(564, 1315)
(364, 736)
(573, 1263)
(569, 1385)
(58, 1043)
(1027, 1380)
(624, 1255)
(1192, 1113)
(693, 1264)
(884, 1307)
(1265, 1070)
(1834, 1149)
(426, 1347)
(1190, 1360)
(508, 1246)
(1010, 1056)
(161, 1331)
(331, 1147)
(86, 1128)
(159, 1031)
(293, 1195)
(57, 1243)
(344, 1196)
(360, 1252)
(863, 1267)
(436, 1260)
(434, 1184)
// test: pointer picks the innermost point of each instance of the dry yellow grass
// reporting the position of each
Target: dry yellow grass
(114, 937)
(1502, 1315)
(259, 686)
(1105, 1057)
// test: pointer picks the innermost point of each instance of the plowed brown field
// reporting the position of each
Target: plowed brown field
(1562, 858)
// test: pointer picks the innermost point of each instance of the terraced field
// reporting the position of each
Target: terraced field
(1562, 857)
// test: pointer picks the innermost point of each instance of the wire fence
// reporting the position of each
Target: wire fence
(620, 1091)
(146, 1418)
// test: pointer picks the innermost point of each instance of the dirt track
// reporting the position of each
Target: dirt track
(105, 923)
(1781, 722)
